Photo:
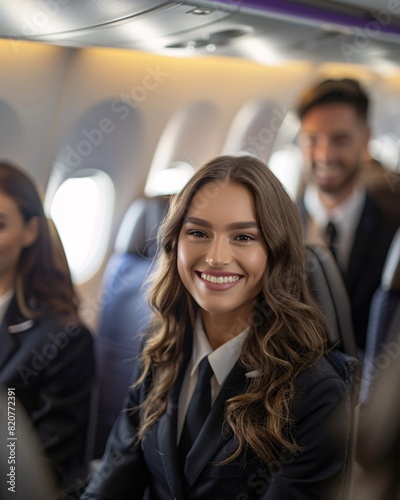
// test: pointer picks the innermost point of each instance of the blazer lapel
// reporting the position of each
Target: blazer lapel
(12, 324)
(167, 429)
(212, 437)
(9, 345)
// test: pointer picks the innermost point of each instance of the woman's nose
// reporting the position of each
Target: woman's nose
(218, 253)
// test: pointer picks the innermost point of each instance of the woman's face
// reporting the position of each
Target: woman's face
(221, 251)
(15, 235)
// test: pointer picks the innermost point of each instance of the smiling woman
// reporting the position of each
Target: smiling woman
(234, 395)
(46, 352)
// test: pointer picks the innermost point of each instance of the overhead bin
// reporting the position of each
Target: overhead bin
(348, 31)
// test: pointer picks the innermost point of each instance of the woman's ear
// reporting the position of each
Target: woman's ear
(31, 231)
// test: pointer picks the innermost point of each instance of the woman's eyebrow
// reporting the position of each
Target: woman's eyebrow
(233, 225)
(243, 225)
(197, 221)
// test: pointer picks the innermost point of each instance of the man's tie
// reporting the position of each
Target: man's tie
(332, 238)
(198, 409)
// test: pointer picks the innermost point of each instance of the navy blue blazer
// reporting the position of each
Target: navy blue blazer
(50, 364)
(152, 470)
(374, 234)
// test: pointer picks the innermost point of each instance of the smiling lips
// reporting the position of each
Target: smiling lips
(328, 170)
(219, 281)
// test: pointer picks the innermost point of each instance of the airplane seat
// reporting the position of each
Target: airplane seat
(25, 470)
(125, 314)
(329, 291)
(384, 306)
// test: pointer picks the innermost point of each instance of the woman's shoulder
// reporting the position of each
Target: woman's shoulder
(66, 330)
(325, 378)
(71, 323)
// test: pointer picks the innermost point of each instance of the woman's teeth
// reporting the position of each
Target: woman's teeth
(219, 279)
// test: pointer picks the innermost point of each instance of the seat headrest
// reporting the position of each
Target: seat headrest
(328, 289)
(138, 230)
(391, 270)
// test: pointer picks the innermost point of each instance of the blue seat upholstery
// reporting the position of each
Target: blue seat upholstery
(379, 437)
(125, 315)
(329, 291)
(383, 315)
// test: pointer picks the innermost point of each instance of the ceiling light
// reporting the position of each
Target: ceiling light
(199, 11)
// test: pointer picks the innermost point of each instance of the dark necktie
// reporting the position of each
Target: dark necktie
(332, 238)
(198, 409)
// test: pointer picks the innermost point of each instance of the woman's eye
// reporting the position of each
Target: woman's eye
(197, 233)
(245, 237)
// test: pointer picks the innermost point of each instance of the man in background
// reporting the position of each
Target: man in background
(336, 206)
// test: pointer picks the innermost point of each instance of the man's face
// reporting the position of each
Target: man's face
(333, 140)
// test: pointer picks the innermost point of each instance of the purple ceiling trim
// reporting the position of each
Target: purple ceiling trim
(285, 7)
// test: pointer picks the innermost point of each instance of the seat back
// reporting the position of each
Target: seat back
(327, 286)
(125, 314)
(382, 318)
(23, 466)
(328, 289)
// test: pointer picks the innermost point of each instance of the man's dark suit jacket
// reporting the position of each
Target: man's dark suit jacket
(128, 470)
(374, 234)
(50, 364)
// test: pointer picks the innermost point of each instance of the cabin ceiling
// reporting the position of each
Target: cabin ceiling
(356, 31)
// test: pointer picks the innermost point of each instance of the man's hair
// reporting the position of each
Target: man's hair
(345, 91)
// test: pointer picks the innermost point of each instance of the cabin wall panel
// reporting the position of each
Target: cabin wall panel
(46, 90)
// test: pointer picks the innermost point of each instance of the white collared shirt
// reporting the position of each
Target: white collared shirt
(345, 217)
(222, 360)
(5, 302)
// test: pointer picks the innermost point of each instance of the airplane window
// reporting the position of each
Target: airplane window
(82, 211)
(385, 148)
(286, 164)
(169, 180)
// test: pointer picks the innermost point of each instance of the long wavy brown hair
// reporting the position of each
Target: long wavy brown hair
(288, 331)
(43, 285)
